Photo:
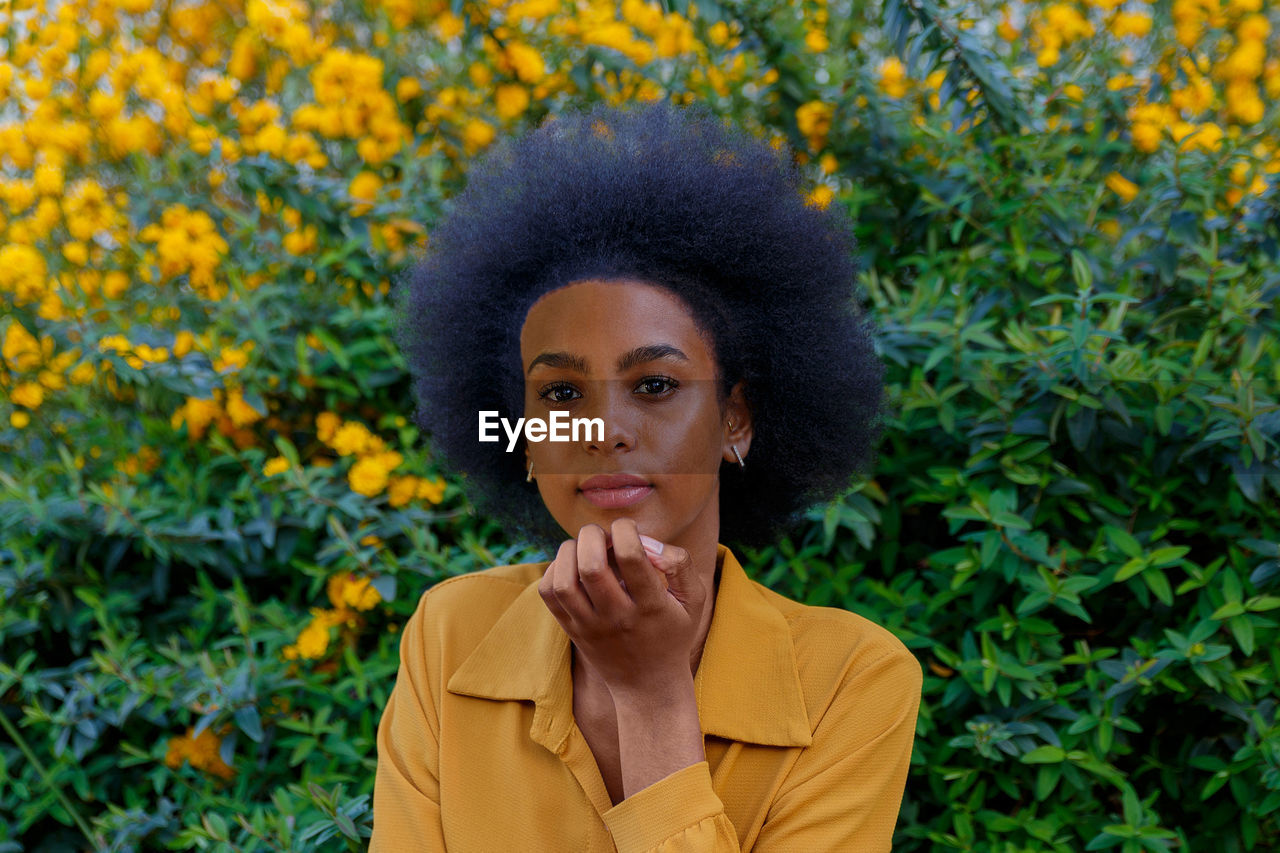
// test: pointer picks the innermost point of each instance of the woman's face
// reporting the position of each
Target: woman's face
(630, 354)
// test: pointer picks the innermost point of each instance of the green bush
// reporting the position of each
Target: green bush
(214, 514)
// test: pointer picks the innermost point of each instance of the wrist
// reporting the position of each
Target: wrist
(670, 689)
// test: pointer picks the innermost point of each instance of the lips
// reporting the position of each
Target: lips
(611, 491)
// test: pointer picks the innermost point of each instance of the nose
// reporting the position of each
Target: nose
(610, 406)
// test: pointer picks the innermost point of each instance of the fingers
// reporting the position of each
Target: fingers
(596, 576)
(643, 582)
(560, 588)
(676, 566)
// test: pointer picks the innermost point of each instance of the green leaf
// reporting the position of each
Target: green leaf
(1047, 754)
(1168, 556)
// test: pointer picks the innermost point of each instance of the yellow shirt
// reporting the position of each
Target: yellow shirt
(808, 715)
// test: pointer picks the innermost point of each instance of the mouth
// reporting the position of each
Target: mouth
(611, 491)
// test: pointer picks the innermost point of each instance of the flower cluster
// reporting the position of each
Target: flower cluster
(187, 242)
(371, 473)
(202, 751)
(350, 596)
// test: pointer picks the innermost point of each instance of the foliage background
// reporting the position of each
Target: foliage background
(215, 513)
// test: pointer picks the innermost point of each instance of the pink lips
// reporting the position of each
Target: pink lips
(611, 491)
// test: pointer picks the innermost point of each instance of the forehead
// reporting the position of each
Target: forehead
(600, 319)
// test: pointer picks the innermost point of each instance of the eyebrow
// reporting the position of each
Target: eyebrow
(639, 355)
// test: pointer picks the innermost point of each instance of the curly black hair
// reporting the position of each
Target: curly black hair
(669, 195)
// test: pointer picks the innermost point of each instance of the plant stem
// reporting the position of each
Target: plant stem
(45, 777)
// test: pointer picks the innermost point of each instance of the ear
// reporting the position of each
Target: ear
(737, 413)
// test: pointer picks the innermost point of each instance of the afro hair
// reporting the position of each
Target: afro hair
(669, 195)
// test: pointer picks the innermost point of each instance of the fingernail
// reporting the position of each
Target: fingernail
(653, 546)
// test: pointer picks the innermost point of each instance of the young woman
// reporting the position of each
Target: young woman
(658, 273)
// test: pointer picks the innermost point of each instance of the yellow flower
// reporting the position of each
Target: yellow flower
(1207, 137)
(816, 41)
(368, 476)
(401, 490)
(1048, 56)
(814, 120)
(76, 252)
(364, 187)
(197, 414)
(526, 62)
(327, 424)
(1122, 186)
(352, 437)
(241, 413)
(821, 196)
(477, 134)
(533, 9)
(1131, 24)
(275, 465)
(313, 642)
(1146, 137)
(183, 343)
(431, 490)
(511, 100)
(346, 590)
(407, 88)
(203, 751)
(29, 394)
(20, 348)
(448, 26)
(893, 77)
(1243, 102)
(1005, 28)
(1254, 28)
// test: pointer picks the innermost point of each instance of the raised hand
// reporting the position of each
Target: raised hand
(632, 608)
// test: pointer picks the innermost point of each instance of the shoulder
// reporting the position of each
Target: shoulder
(496, 583)
(837, 651)
(459, 611)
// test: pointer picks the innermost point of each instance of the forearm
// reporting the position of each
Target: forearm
(658, 732)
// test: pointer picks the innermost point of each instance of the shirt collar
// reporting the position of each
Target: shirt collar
(747, 683)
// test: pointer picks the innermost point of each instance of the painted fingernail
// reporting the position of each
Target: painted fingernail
(653, 546)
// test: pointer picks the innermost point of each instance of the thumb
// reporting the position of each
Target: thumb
(676, 567)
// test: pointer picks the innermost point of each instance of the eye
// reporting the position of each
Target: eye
(657, 386)
(558, 392)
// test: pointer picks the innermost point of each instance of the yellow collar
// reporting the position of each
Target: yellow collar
(747, 683)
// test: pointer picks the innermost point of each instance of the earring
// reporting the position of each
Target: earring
(730, 424)
(741, 464)
(529, 477)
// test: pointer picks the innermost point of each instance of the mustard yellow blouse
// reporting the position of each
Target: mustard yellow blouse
(808, 715)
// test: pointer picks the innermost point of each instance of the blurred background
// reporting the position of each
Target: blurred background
(215, 512)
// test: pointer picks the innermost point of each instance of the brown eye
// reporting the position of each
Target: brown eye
(657, 386)
(559, 392)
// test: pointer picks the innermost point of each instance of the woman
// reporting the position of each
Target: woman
(659, 272)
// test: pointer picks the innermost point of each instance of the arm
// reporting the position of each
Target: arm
(670, 806)
(406, 791)
(842, 794)
(845, 790)
(638, 638)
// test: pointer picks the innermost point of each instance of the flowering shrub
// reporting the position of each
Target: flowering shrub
(1067, 216)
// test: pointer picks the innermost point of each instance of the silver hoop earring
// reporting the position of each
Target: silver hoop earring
(529, 477)
(741, 464)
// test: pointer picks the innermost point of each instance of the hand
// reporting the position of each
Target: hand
(633, 613)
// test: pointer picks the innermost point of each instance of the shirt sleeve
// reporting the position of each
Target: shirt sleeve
(845, 790)
(677, 814)
(843, 793)
(406, 790)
